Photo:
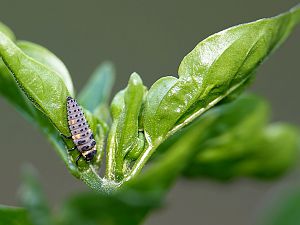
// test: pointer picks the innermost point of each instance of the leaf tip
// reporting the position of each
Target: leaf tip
(135, 79)
(295, 11)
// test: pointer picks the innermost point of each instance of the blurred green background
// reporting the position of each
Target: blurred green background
(151, 38)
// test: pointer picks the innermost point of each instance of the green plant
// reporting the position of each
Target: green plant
(194, 125)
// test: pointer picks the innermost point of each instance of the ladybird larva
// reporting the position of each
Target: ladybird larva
(82, 135)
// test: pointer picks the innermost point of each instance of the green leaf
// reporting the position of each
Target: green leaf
(128, 125)
(33, 199)
(124, 135)
(240, 143)
(20, 101)
(227, 151)
(13, 216)
(229, 140)
(218, 67)
(127, 131)
(97, 90)
(8, 86)
(248, 114)
(85, 172)
(92, 209)
(276, 152)
(183, 147)
(43, 86)
(48, 59)
(117, 106)
(155, 96)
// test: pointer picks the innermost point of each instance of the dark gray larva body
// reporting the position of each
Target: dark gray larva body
(82, 135)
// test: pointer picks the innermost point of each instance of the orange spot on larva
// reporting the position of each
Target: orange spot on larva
(77, 136)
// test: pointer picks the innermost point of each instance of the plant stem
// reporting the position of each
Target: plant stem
(110, 154)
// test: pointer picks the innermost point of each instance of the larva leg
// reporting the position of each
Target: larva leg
(66, 137)
(72, 149)
(77, 159)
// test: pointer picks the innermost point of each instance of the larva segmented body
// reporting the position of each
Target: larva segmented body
(82, 135)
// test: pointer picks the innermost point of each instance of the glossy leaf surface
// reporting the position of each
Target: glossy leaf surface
(44, 87)
(216, 68)
(48, 59)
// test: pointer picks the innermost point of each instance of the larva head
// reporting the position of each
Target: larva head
(90, 154)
